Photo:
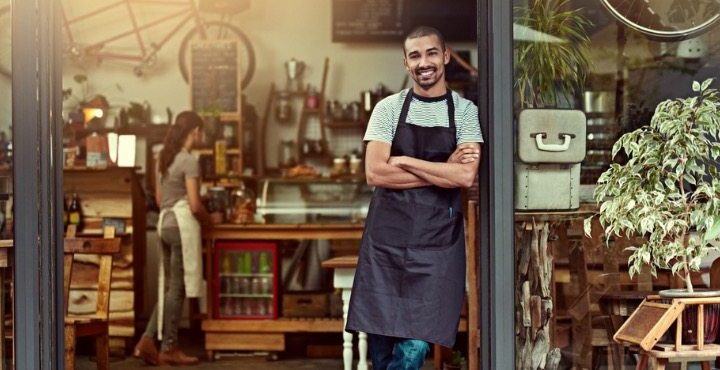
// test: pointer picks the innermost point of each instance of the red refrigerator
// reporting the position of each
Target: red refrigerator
(245, 281)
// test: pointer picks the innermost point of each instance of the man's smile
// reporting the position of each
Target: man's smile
(425, 72)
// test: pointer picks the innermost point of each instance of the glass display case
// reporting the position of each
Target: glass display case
(245, 285)
(313, 200)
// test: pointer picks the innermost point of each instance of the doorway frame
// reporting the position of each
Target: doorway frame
(496, 182)
(37, 185)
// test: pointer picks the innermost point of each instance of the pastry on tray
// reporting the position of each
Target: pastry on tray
(302, 170)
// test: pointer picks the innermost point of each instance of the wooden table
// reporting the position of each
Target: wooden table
(344, 274)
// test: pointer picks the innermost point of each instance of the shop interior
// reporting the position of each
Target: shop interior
(286, 89)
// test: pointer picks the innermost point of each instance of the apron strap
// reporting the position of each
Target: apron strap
(406, 106)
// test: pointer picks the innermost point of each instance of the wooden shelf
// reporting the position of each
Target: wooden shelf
(99, 169)
(591, 115)
(146, 130)
(232, 151)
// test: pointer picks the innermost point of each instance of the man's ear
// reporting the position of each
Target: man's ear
(405, 64)
(446, 56)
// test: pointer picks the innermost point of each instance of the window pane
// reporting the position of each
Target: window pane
(587, 72)
(6, 173)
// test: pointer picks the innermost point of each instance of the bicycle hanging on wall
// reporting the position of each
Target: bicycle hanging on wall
(144, 53)
(666, 21)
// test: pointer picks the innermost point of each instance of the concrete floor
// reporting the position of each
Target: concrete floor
(245, 363)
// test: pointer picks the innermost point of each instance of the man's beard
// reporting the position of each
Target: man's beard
(427, 83)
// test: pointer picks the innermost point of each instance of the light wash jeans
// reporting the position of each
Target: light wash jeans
(389, 353)
(174, 290)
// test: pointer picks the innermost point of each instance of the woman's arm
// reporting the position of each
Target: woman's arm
(192, 185)
(157, 188)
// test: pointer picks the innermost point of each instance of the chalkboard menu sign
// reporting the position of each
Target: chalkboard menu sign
(215, 77)
(391, 20)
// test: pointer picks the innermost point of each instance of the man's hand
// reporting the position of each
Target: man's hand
(465, 153)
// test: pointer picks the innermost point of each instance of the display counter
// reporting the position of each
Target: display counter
(285, 231)
(259, 334)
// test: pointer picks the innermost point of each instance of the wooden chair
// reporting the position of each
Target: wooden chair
(96, 325)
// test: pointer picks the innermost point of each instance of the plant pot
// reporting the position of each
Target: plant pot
(447, 366)
(689, 318)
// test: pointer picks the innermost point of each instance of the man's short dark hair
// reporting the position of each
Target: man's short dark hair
(422, 31)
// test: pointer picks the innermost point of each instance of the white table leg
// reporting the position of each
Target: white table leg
(347, 337)
(362, 351)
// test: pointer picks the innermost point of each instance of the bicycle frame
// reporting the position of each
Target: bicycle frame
(189, 12)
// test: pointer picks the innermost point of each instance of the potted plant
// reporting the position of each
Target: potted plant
(456, 361)
(553, 63)
(668, 191)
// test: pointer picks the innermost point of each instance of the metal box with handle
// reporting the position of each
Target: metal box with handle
(551, 145)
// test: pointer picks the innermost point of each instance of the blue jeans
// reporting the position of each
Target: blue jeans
(389, 353)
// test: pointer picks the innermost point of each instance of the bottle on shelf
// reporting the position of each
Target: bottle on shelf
(226, 264)
(247, 263)
(220, 157)
(264, 262)
(65, 212)
(75, 216)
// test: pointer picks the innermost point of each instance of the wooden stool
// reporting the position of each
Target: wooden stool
(652, 319)
(96, 325)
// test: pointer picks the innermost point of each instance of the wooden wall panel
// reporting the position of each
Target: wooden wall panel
(116, 193)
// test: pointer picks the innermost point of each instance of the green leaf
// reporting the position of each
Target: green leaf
(713, 232)
(706, 84)
(587, 226)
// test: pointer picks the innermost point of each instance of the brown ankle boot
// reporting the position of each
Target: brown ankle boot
(145, 350)
(175, 357)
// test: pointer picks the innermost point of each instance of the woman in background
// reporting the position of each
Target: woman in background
(177, 191)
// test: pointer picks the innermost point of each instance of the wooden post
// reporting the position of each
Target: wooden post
(582, 325)
(533, 288)
(678, 333)
(700, 326)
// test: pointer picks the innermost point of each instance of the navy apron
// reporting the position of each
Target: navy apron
(410, 278)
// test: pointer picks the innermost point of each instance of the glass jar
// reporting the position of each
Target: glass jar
(243, 205)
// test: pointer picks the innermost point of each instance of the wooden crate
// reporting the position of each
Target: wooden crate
(305, 304)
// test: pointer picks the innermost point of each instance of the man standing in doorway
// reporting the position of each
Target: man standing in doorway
(423, 146)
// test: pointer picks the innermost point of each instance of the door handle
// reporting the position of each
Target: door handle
(553, 147)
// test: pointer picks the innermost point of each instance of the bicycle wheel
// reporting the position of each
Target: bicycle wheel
(5, 41)
(219, 31)
(683, 19)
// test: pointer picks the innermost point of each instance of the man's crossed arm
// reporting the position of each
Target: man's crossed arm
(406, 172)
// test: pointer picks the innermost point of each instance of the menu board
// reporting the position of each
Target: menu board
(391, 20)
(215, 77)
